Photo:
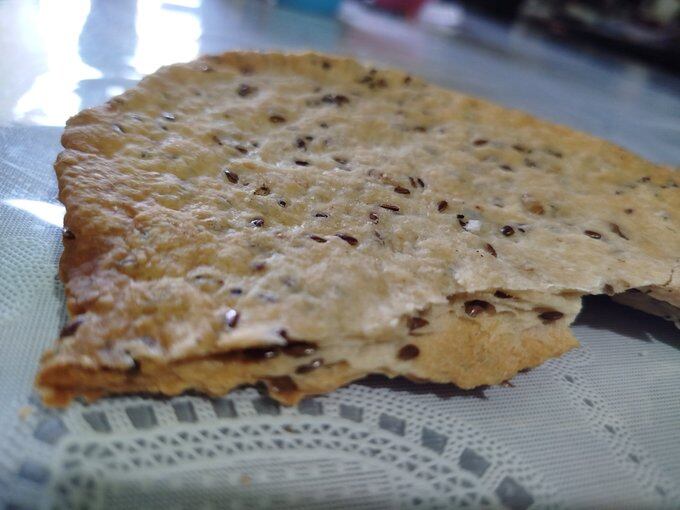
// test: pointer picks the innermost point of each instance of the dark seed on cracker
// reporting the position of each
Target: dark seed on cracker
(476, 306)
(309, 367)
(413, 323)
(490, 249)
(353, 241)
(246, 90)
(550, 316)
(232, 177)
(408, 352)
(282, 384)
(70, 328)
(338, 99)
(617, 230)
(507, 230)
(299, 348)
(260, 353)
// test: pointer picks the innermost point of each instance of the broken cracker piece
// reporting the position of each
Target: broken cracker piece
(305, 220)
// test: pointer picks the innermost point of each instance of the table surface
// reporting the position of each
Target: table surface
(597, 427)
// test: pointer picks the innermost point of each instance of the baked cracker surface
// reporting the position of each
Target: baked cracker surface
(307, 204)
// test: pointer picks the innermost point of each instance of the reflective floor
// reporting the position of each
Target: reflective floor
(56, 60)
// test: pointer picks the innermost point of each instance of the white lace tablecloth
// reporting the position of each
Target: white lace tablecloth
(599, 427)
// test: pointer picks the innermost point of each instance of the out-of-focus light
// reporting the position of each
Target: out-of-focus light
(52, 98)
(188, 4)
(45, 211)
(444, 17)
(114, 90)
(164, 35)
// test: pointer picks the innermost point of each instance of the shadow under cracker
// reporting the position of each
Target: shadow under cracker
(600, 312)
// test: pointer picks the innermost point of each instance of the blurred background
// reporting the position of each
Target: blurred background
(647, 29)
(604, 66)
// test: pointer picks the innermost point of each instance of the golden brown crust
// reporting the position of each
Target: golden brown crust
(466, 351)
(340, 202)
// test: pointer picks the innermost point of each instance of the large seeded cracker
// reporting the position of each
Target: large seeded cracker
(303, 220)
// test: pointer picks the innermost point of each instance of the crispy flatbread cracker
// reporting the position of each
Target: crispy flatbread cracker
(297, 208)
